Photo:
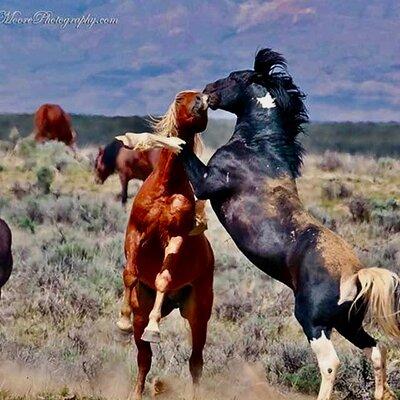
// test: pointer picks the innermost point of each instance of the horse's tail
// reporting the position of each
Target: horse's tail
(378, 290)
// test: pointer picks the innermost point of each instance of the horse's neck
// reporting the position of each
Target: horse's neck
(170, 169)
(262, 132)
(169, 166)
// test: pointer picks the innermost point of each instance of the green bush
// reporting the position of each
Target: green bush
(306, 379)
(45, 177)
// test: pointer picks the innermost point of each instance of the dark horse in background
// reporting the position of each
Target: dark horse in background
(53, 123)
(251, 182)
(128, 163)
(6, 260)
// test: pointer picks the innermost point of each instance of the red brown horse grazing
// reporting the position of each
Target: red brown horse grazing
(53, 123)
(167, 268)
(128, 163)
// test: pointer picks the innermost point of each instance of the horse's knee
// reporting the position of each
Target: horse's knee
(163, 279)
(173, 245)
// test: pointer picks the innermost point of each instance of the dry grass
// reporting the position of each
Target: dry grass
(57, 314)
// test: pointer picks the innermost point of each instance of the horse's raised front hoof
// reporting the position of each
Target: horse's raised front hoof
(151, 336)
(124, 324)
(158, 387)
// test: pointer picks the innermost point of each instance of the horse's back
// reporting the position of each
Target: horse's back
(53, 123)
(135, 164)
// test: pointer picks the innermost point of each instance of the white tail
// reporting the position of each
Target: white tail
(378, 289)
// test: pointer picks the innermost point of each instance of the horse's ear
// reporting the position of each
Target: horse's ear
(266, 60)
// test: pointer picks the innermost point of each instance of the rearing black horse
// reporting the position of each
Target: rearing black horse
(251, 184)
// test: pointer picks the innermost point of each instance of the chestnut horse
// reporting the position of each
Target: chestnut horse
(6, 260)
(166, 268)
(128, 163)
(53, 123)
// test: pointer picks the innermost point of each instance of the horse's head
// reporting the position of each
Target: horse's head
(191, 111)
(267, 98)
(100, 169)
(240, 89)
(185, 118)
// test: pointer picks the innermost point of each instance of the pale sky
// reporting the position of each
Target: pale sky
(344, 54)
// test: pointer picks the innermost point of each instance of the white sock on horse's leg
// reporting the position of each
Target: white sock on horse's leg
(328, 363)
(377, 355)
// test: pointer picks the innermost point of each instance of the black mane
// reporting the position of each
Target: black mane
(271, 72)
(111, 152)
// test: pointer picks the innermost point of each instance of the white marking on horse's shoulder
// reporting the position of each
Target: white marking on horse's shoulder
(205, 175)
(267, 101)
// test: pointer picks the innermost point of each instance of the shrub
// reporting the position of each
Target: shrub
(360, 209)
(323, 216)
(330, 161)
(14, 135)
(388, 220)
(335, 190)
(20, 191)
(27, 223)
(387, 214)
(306, 379)
(233, 307)
(45, 178)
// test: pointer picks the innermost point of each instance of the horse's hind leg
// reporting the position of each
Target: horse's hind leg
(130, 276)
(377, 355)
(354, 332)
(144, 354)
(163, 279)
(197, 310)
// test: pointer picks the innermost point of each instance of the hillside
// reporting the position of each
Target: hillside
(378, 139)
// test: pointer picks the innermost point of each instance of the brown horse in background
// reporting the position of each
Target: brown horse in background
(53, 123)
(167, 268)
(128, 163)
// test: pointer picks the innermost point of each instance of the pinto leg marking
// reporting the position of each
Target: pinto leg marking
(377, 355)
(328, 363)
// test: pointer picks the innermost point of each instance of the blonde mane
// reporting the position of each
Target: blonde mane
(167, 124)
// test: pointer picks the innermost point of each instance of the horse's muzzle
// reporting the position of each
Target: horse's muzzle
(213, 100)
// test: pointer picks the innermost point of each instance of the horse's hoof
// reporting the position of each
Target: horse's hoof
(158, 387)
(151, 336)
(124, 324)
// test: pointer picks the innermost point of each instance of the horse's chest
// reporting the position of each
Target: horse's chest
(246, 220)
